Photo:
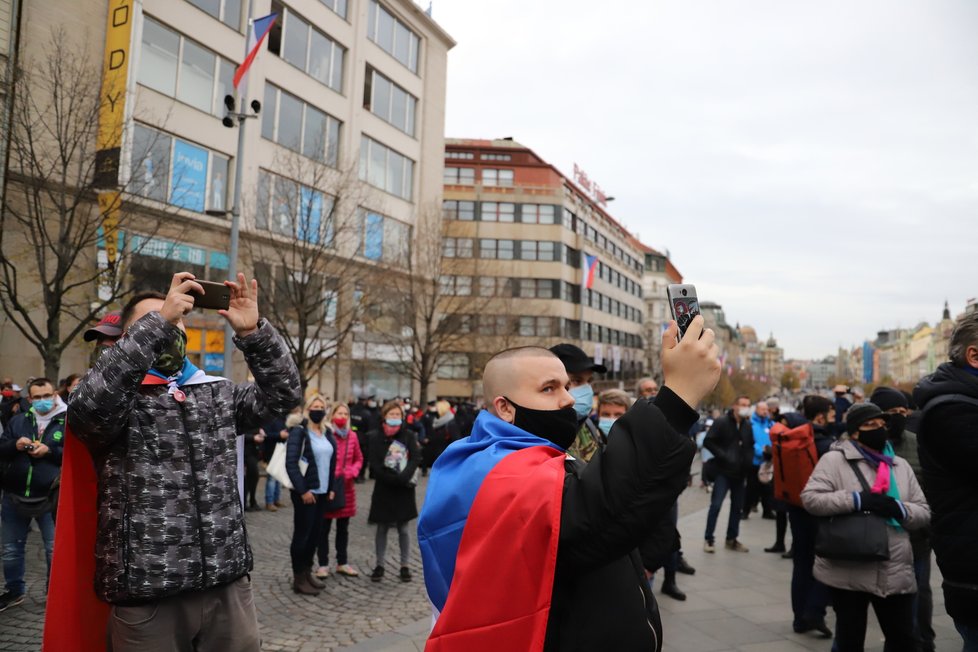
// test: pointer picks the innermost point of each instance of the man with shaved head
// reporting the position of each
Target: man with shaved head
(527, 548)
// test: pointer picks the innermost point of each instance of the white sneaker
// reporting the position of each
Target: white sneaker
(322, 572)
(709, 547)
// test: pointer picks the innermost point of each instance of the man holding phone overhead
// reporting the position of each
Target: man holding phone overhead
(171, 552)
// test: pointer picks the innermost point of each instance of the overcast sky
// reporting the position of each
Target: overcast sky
(811, 166)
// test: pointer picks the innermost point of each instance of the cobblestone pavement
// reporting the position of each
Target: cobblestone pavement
(348, 611)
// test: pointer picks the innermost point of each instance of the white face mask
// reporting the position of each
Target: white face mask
(743, 412)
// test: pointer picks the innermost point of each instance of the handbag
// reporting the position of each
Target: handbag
(860, 536)
(34, 506)
(765, 474)
(276, 465)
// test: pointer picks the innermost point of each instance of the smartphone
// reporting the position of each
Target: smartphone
(683, 304)
(29, 447)
(217, 296)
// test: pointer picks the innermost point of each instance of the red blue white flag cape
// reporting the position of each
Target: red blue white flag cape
(590, 265)
(488, 534)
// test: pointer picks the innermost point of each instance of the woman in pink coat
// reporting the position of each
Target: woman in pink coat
(349, 459)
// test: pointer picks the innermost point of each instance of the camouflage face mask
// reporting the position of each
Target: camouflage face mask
(171, 360)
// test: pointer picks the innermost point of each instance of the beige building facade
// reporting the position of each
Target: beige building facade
(521, 234)
(351, 127)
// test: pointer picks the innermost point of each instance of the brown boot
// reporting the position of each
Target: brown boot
(314, 581)
(300, 584)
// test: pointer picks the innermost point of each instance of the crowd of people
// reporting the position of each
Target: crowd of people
(862, 493)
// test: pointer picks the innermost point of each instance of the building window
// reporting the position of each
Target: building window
(487, 286)
(180, 68)
(537, 213)
(338, 7)
(498, 211)
(496, 157)
(459, 210)
(306, 48)
(457, 247)
(462, 156)
(459, 176)
(384, 168)
(226, 11)
(385, 239)
(460, 286)
(389, 102)
(293, 210)
(393, 36)
(299, 126)
(453, 366)
(487, 248)
(177, 172)
(492, 177)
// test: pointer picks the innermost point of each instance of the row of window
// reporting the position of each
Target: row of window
(299, 126)
(393, 36)
(491, 211)
(176, 172)
(294, 39)
(591, 234)
(469, 156)
(229, 11)
(294, 210)
(389, 102)
(498, 249)
(279, 280)
(385, 168)
(614, 307)
(487, 176)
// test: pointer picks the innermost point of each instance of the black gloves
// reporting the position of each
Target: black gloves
(880, 504)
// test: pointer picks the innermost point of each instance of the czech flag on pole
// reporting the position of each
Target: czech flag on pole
(260, 27)
(590, 265)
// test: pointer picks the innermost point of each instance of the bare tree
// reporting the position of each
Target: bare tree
(308, 227)
(53, 219)
(431, 311)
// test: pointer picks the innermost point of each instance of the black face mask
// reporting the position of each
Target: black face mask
(317, 416)
(557, 426)
(875, 439)
(896, 425)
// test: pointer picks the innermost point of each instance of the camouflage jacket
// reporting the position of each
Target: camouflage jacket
(170, 518)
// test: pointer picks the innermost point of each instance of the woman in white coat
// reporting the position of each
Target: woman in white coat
(835, 489)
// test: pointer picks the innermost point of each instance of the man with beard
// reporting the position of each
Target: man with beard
(527, 549)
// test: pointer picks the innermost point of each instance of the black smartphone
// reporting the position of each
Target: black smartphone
(217, 296)
(29, 447)
(683, 304)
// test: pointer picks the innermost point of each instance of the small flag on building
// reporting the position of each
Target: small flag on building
(590, 266)
(260, 27)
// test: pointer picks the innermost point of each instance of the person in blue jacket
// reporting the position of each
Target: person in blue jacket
(760, 423)
(30, 448)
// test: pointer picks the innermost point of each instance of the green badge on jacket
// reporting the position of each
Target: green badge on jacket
(58, 435)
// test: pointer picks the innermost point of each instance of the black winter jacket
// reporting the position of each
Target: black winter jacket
(732, 445)
(170, 518)
(393, 499)
(26, 475)
(298, 446)
(947, 440)
(601, 599)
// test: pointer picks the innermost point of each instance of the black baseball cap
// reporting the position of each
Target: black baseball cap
(860, 413)
(575, 360)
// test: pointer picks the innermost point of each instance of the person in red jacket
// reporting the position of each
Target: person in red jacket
(349, 461)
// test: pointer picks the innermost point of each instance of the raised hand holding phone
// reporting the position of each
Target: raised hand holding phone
(692, 366)
(683, 304)
(242, 312)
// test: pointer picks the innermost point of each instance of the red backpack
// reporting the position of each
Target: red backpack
(795, 457)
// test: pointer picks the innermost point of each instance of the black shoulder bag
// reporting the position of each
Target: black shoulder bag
(860, 536)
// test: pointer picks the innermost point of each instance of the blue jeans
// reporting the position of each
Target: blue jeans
(273, 490)
(721, 486)
(970, 635)
(809, 597)
(14, 528)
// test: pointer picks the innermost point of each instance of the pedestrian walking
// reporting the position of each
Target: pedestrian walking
(948, 443)
(349, 460)
(394, 458)
(310, 441)
(731, 442)
(275, 433)
(171, 541)
(756, 491)
(30, 451)
(253, 441)
(858, 475)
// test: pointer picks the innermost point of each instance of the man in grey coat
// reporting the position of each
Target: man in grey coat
(172, 554)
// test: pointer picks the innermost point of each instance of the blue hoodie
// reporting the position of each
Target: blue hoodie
(762, 436)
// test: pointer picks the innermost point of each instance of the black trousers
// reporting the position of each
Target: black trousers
(757, 493)
(307, 520)
(251, 480)
(894, 613)
(342, 540)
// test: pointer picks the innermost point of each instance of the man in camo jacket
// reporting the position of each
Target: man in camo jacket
(172, 554)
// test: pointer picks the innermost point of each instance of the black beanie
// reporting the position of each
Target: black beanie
(887, 398)
(860, 413)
